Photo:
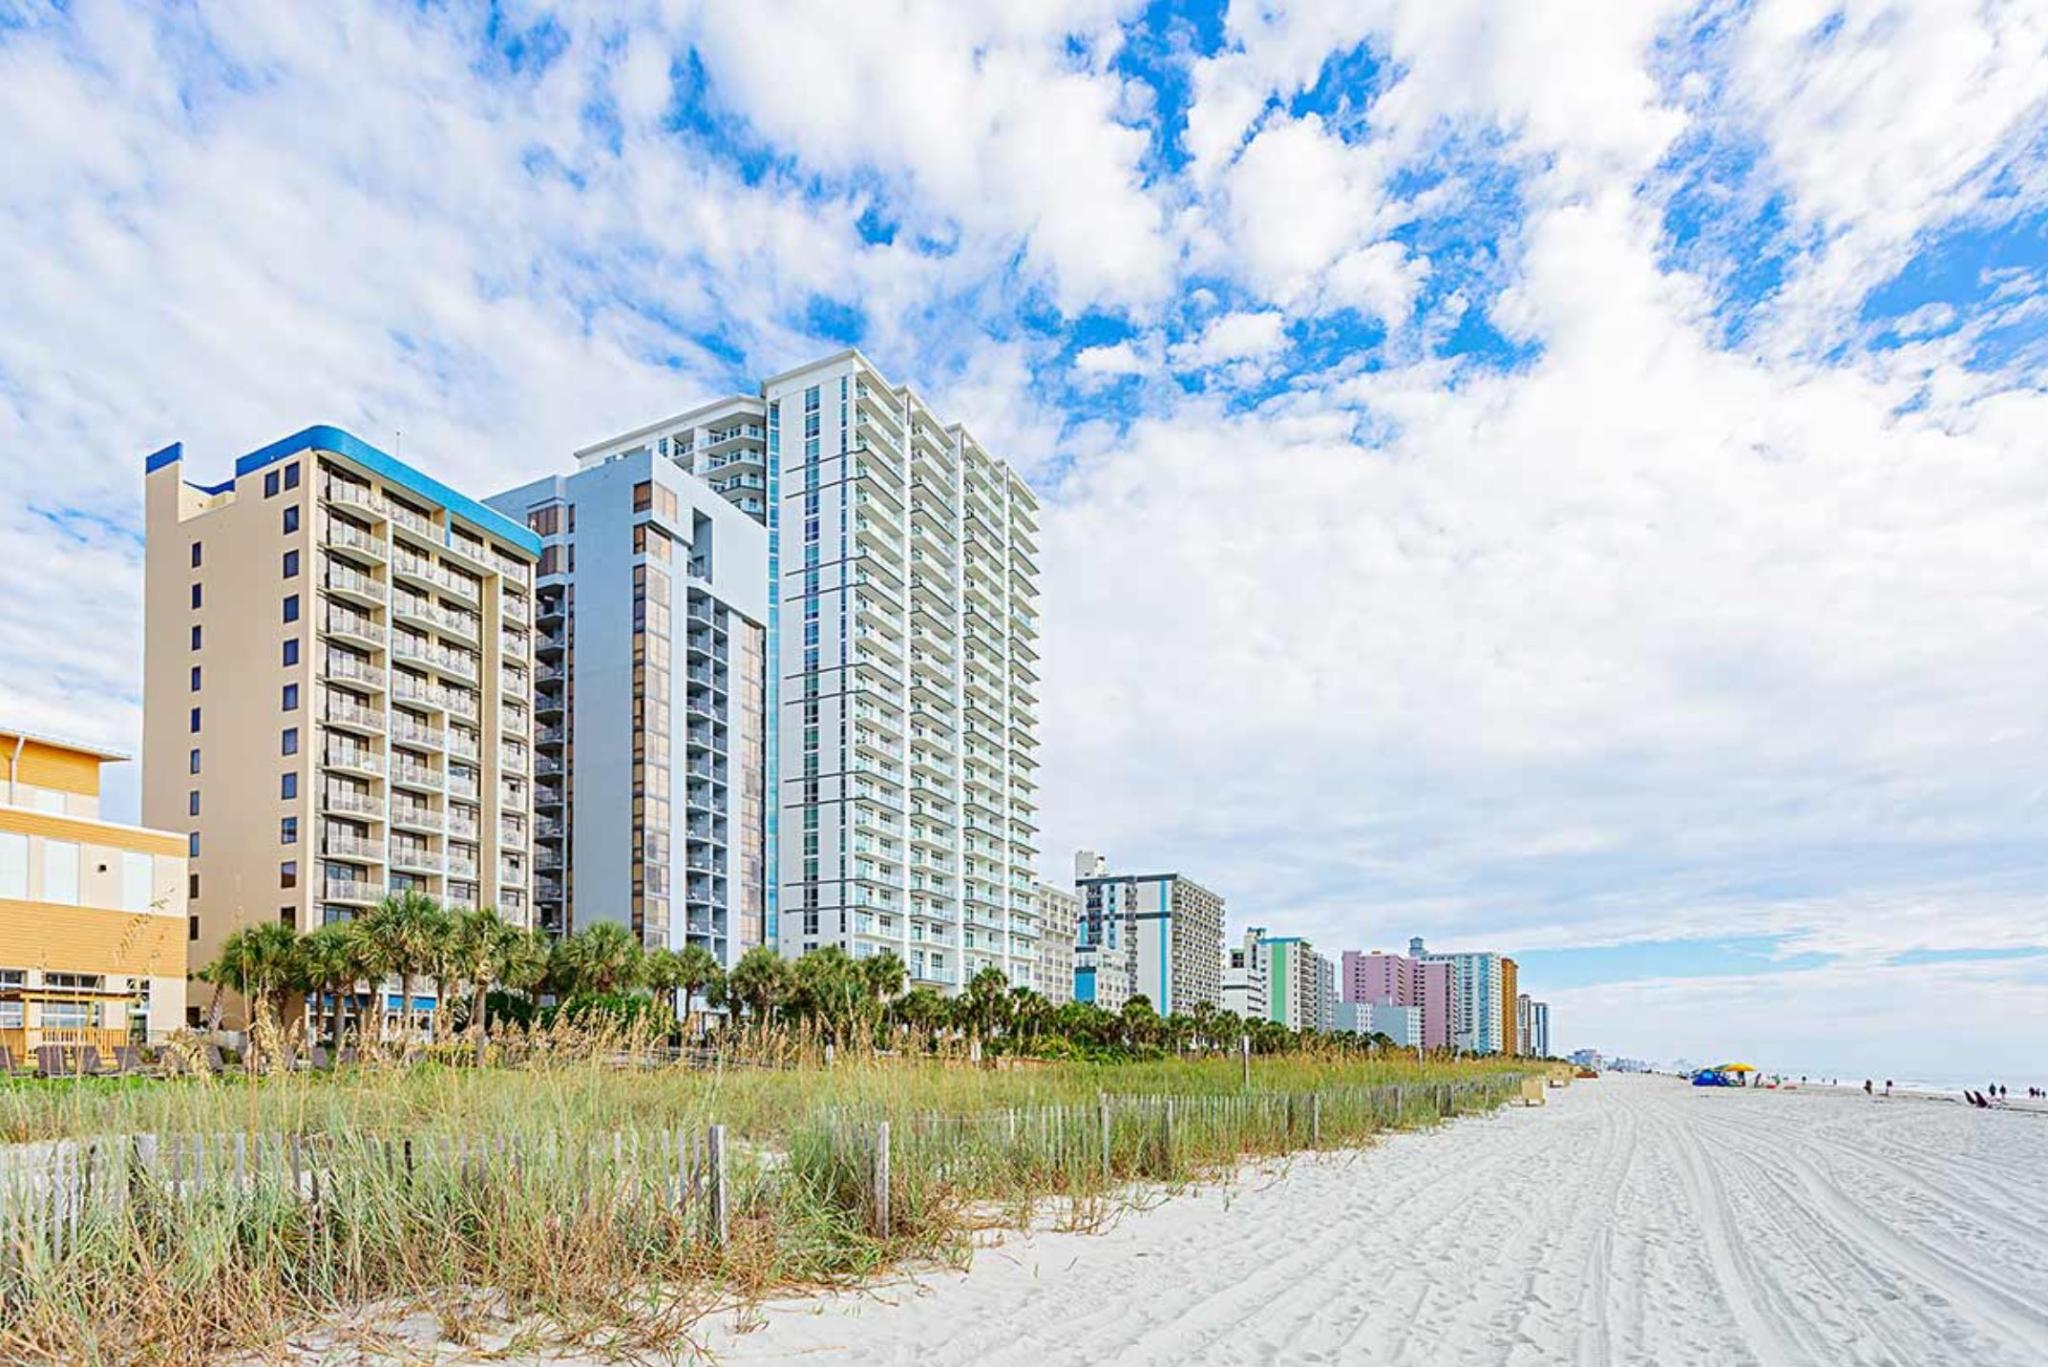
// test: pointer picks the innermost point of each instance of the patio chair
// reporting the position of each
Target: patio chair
(212, 1060)
(316, 1058)
(127, 1060)
(89, 1064)
(8, 1067)
(50, 1061)
(349, 1057)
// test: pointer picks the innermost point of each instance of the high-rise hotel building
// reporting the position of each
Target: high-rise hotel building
(338, 684)
(652, 770)
(902, 564)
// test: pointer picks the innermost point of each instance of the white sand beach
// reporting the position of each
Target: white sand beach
(1633, 1220)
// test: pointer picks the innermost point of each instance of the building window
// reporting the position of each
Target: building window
(197, 595)
(291, 740)
(191, 927)
(195, 555)
(192, 845)
(291, 519)
(291, 607)
(287, 916)
(291, 652)
(291, 564)
(195, 720)
(195, 638)
(288, 788)
(291, 475)
(13, 866)
(270, 484)
(192, 886)
(291, 697)
(643, 496)
(194, 762)
(192, 803)
(288, 831)
(195, 678)
(288, 874)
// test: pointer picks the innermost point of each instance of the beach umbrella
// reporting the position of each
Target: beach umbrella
(1736, 1068)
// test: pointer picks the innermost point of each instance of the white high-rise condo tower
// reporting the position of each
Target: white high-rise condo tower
(902, 681)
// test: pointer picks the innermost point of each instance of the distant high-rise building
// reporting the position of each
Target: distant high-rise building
(1103, 969)
(1435, 1000)
(1523, 1033)
(1173, 926)
(1301, 985)
(1539, 1029)
(1059, 914)
(1477, 1003)
(1244, 977)
(903, 683)
(338, 689)
(1381, 978)
(1510, 1021)
(653, 738)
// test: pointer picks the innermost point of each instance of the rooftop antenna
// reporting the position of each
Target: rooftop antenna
(398, 443)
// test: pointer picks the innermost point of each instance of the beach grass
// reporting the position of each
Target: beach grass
(174, 1221)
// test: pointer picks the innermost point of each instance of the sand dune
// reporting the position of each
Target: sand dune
(1634, 1220)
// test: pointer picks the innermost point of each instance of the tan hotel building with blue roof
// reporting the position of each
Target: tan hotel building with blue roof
(337, 691)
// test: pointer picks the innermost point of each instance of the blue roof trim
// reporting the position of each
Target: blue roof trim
(211, 489)
(157, 460)
(324, 438)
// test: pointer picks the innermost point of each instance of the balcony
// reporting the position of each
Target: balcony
(351, 760)
(355, 628)
(346, 493)
(405, 731)
(357, 891)
(417, 859)
(351, 847)
(345, 537)
(415, 816)
(340, 581)
(339, 711)
(406, 774)
(347, 801)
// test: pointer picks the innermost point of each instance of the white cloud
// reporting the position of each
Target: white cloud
(1233, 337)
(1117, 358)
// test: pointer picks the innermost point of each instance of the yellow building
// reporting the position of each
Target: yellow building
(92, 914)
(1510, 1017)
(338, 689)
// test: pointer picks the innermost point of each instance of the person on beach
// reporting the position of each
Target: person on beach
(1887, 1086)
(1866, 1086)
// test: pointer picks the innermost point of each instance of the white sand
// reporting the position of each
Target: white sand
(1633, 1220)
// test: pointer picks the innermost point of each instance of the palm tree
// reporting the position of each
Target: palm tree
(885, 975)
(761, 981)
(921, 1009)
(332, 962)
(402, 937)
(832, 989)
(606, 958)
(258, 963)
(480, 945)
(661, 973)
(697, 973)
(985, 1006)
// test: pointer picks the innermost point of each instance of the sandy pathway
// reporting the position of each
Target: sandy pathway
(1634, 1220)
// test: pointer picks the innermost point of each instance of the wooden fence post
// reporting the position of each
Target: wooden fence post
(1244, 1049)
(718, 1208)
(1102, 1108)
(1166, 1137)
(882, 1180)
(1315, 1120)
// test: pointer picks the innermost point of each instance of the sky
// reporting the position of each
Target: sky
(1568, 478)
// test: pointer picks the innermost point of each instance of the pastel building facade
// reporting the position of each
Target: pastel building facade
(1510, 1016)
(92, 913)
(651, 787)
(902, 690)
(1173, 926)
(1377, 977)
(1104, 972)
(1059, 916)
(1401, 1024)
(338, 684)
(1539, 1029)
(1301, 985)
(1478, 1006)
(1244, 977)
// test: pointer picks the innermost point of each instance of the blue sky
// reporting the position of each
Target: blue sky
(1554, 477)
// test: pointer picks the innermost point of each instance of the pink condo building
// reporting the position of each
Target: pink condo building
(1394, 980)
